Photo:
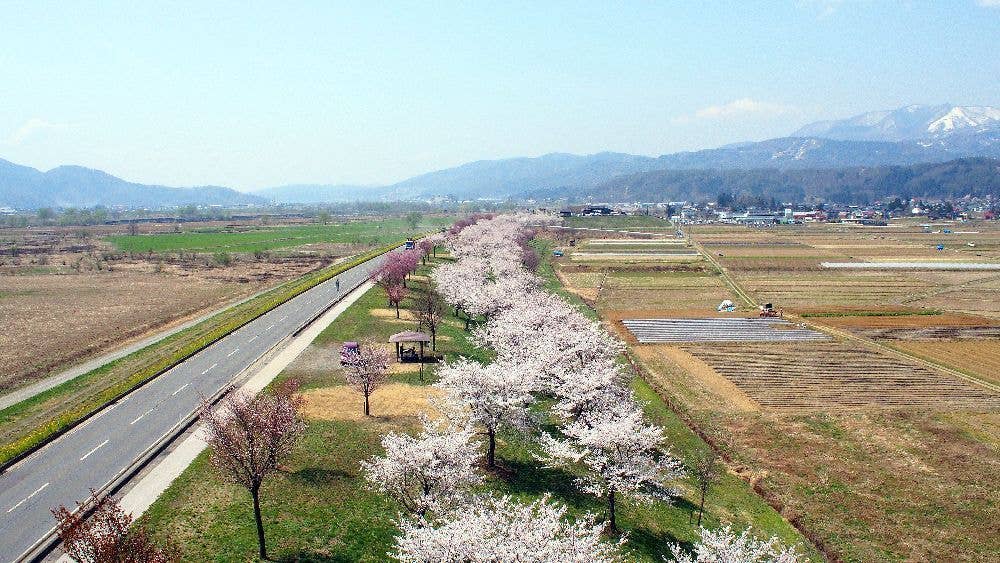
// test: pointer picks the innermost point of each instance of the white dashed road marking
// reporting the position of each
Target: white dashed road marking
(86, 455)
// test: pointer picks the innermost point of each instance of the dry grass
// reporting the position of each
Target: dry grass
(832, 376)
(706, 385)
(886, 485)
(54, 320)
(390, 315)
(392, 401)
(978, 357)
(906, 321)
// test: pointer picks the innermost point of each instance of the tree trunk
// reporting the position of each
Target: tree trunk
(612, 525)
(701, 507)
(255, 493)
(397, 309)
(492, 449)
(367, 412)
(434, 340)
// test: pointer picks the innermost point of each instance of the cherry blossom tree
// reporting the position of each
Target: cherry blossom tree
(396, 293)
(367, 369)
(621, 453)
(427, 474)
(249, 435)
(107, 534)
(725, 545)
(497, 395)
(492, 528)
(426, 245)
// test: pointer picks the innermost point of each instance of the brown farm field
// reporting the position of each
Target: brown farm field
(980, 358)
(71, 293)
(55, 320)
(879, 457)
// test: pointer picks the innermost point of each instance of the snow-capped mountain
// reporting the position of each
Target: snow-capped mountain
(910, 123)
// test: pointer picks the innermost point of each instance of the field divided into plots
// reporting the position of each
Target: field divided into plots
(838, 376)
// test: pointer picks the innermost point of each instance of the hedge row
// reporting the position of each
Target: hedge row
(199, 337)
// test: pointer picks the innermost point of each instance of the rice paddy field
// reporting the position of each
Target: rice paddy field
(882, 441)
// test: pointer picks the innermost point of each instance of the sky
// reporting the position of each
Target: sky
(253, 94)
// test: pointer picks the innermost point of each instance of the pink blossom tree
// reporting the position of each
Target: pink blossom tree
(396, 293)
(367, 370)
(249, 435)
(107, 534)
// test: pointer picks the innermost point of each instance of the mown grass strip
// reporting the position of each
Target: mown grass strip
(200, 337)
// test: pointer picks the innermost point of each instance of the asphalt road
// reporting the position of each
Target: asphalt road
(96, 452)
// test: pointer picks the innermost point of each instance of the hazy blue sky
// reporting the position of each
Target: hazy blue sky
(254, 94)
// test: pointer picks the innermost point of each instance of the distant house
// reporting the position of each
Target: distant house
(597, 210)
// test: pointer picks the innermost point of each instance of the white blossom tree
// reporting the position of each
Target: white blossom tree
(726, 546)
(492, 529)
(621, 454)
(427, 474)
(497, 396)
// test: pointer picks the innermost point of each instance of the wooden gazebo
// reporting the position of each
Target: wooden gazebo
(409, 336)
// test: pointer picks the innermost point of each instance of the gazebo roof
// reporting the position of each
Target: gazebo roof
(409, 336)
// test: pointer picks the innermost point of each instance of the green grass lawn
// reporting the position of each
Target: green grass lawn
(271, 238)
(319, 509)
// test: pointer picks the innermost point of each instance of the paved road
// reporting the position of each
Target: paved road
(96, 452)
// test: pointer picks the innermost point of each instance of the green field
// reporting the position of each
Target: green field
(271, 238)
(318, 508)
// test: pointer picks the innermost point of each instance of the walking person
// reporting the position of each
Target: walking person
(336, 282)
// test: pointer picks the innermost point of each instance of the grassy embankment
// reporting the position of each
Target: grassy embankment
(318, 509)
(31, 423)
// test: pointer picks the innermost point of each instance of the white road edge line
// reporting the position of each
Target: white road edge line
(86, 455)
(138, 418)
(179, 389)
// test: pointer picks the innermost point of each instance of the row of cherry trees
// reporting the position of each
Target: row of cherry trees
(544, 349)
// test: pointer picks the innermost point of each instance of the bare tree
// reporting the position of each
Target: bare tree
(367, 370)
(707, 470)
(249, 435)
(430, 311)
(107, 535)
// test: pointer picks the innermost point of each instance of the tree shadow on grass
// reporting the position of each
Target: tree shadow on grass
(318, 476)
(532, 479)
(654, 545)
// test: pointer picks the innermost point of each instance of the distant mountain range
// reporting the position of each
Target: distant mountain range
(957, 178)
(906, 136)
(22, 187)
